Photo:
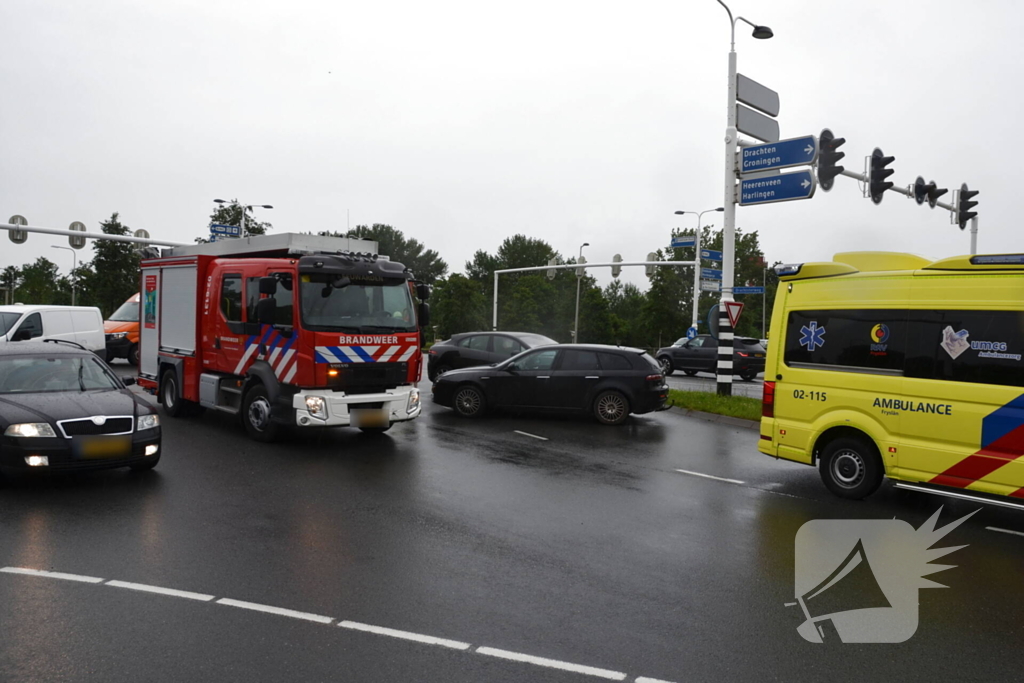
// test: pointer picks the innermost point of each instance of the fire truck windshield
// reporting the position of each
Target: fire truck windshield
(361, 305)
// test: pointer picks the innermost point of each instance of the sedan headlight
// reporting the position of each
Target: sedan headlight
(315, 406)
(414, 402)
(30, 429)
(148, 421)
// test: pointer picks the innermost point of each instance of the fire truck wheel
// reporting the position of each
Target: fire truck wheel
(256, 414)
(170, 394)
(851, 467)
(133, 355)
(469, 401)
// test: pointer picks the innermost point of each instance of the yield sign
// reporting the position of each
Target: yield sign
(733, 308)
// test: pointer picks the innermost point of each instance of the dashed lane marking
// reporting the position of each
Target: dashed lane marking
(1005, 531)
(607, 674)
(161, 591)
(51, 575)
(710, 476)
(542, 438)
(256, 607)
(552, 663)
(405, 635)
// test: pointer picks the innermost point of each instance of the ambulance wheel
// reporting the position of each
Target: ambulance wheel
(256, 414)
(133, 355)
(666, 366)
(851, 467)
(170, 394)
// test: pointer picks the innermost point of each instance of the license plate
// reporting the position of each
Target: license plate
(99, 447)
(370, 417)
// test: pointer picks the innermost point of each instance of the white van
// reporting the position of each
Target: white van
(81, 324)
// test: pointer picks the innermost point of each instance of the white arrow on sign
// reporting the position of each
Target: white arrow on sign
(805, 184)
(809, 149)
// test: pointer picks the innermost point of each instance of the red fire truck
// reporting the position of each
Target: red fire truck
(298, 330)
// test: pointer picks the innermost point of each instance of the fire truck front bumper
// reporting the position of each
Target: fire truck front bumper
(320, 408)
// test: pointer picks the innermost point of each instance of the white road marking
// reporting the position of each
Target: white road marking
(378, 630)
(162, 591)
(51, 575)
(553, 663)
(275, 610)
(542, 438)
(406, 635)
(710, 476)
(1005, 531)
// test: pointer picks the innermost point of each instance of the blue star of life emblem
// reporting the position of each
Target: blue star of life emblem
(812, 337)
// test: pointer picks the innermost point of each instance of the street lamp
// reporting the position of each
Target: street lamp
(244, 207)
(696, 258)
(724, 370)
(74, 267)
(579, 278)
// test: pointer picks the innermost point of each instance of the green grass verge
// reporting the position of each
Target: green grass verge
(706, 402)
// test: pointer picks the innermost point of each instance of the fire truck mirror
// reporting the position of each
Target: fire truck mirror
(424, 314)
(266, 309)
(422, 291)
(268, 285)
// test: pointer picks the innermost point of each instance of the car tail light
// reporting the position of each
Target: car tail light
(768, 400)
(655, 378)
(740, 353)
(432, 352)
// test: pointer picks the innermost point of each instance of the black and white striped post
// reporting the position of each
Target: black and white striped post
(725, 337)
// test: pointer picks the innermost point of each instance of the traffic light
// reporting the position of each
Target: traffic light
(964, 206)
(616, 270)
(927, 192)
(934, 193)
(828, 157)
(877, 183)
(653, 256)
(551, 273)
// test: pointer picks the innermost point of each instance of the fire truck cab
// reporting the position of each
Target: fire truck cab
(297, 330)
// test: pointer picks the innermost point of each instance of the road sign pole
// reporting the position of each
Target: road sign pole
(696, 274)
(974, 235)
(724, 366)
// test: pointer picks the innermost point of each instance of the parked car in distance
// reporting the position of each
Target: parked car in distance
(700, 354)
(609, 382)
(80, 324)
(62, 408)
(122, 331)
(479, 348)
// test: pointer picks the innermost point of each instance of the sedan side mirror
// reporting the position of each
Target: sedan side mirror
(511, 367)
(128, 380)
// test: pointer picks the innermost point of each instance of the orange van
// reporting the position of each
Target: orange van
(122, 331)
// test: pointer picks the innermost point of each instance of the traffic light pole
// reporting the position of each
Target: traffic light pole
(90, 235)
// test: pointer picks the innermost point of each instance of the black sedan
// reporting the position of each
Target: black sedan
(700, 354)
(609, 382)
(479, 348)
(62, 408)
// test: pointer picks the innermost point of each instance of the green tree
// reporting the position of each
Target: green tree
(625, 307)
(458, 305)
(750, 270)
(425, 263)
(230, 213)
(114, 274)
(39, 283)
(663, 307)
(10, 280)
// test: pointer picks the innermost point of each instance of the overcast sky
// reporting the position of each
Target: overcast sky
(462, 123)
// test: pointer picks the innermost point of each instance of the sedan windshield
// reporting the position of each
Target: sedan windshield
(127, 313)
(363, 305)
(38, 374)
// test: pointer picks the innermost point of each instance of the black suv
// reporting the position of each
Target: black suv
(700, 354)
(479, 348)
(610, 382)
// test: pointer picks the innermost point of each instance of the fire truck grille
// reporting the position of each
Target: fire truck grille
(369, 378)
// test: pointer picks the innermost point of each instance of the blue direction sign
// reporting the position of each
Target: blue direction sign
(782, 154)
(691, 332)
(227, 230)
(710, 274)
(678, 242)
(711, 254)
(748, 290)
(778, 188)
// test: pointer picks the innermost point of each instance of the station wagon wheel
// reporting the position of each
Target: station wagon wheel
(611, 408)
(851, 467)
(666, 365)
(469, 401)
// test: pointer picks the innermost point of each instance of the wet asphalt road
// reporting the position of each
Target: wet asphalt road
(589, 548)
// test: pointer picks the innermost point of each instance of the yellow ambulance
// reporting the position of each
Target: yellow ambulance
(892, 364)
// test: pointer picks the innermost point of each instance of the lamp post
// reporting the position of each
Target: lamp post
(725, 334)
(74, 267)
(244, 207)
(579, 279)
(696, 258)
